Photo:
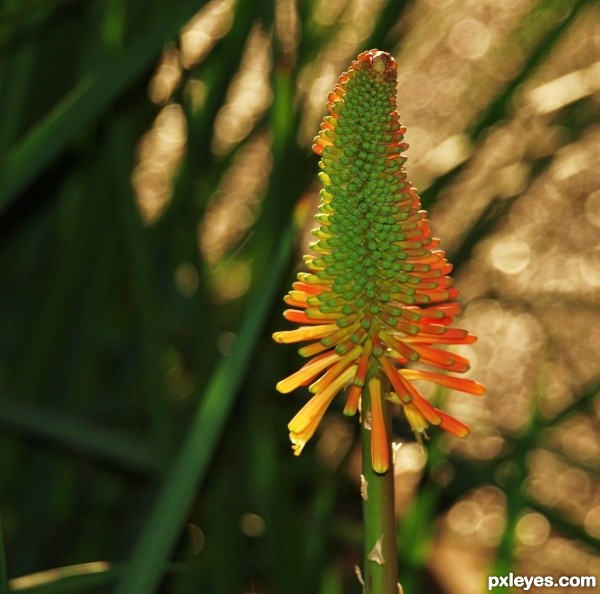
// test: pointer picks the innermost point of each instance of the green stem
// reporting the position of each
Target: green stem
(380, 550)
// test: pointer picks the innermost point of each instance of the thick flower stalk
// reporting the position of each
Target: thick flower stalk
(377, 304)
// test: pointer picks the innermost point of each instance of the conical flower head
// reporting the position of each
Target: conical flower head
(378, 297)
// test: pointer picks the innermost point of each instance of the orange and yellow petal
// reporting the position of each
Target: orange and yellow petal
(452, 425)
(304, 333)
(415, 419)
(419, 423)
(355, 391)
(304, 424)
(335, 370)
(454, 383)
(407, 394)
(308, 372)
(380, 448)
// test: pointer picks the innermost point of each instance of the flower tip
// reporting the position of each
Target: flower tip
(353, 400)
(297, 444)
(478, 389)
(380, 466)
(454, 426)
(283, 386)
(462, 432)
(382, 62)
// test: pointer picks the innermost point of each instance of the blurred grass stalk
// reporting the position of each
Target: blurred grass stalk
(150, 557)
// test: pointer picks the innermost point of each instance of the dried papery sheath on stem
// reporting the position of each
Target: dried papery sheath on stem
(377, 297)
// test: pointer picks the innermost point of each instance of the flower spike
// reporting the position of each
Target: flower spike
(377, 297)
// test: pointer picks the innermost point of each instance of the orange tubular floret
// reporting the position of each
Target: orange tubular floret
(363, 362)
(433, 257)
(430, 413)
(321, 143)
(307, 372)
(304, 333)
(400, 347)
(304, 424)
(435, 329)
(450, 310)
(399, 386)
(353, 400)
(442, 359)
(435, 296)
(334, 371)
(455, 383)
(359, 380)
(320, 400)
(339, 334)
(301, 317)
(294, 302)
(308, 288)
(312, 349)
(432, 339)
(456, 334)
(452, 425)
(423, 406)
(380, 454)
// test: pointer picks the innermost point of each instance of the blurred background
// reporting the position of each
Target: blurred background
(156, 191)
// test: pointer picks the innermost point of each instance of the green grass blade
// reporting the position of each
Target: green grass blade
(582, 402)
(391, 12)
(163, 527)
(70, 433)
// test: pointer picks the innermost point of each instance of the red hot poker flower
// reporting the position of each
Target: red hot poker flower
(378, 297)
